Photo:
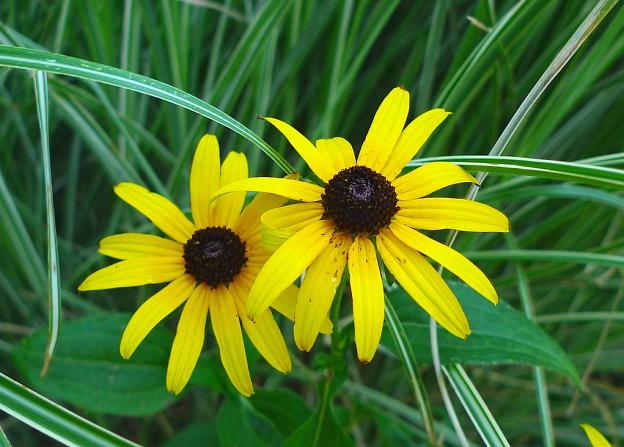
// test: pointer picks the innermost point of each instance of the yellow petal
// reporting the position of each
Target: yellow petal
(368, 297)
(385, 129)
(412, 139)
(318, 290)
(227, 208)
(189, 339)
(595, 437)
(422, 283)
(286, 303)
(248, 223)
(264, 333)
(227, 330)
(134, 272)
(338, 152)
(451, 214)
(164, 214)
(315, 159)
(292, 189)
(153, 311)
(204, 179)
(286, 264)
(448, 258)
(138, 245)
(279, 224)
(428, 178)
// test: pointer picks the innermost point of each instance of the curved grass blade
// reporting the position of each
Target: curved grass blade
(54, 278)
(476, 408)
(27, 58)
(52, 419)
(578, 257)
(564, 171)
(4, 441)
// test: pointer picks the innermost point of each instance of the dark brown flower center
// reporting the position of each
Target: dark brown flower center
(214, 255)
(359, 201)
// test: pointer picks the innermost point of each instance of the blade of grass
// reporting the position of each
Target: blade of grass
(4, 441)
(577, 257)
(27, 58)
(52, 419)
(54, 277)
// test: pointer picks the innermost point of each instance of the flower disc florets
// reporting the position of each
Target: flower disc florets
(359, 201)
(214, 255)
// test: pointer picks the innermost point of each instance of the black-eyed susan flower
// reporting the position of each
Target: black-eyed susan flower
(210, 264)
(363, 204)
(596, 438)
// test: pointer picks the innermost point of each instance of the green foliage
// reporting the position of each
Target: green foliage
(131, 88)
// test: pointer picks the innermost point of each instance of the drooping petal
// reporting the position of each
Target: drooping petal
(279, 224)
(292, 189)
(422, 283)
(451, 214)
(448, 258)
(412, 139)
(189, 339)
(134, 272)
(227, 208)
(595, 437)
(338, 152)
(368, 297)
(318, 290)
(204, 179)
(429, 178)
(153, 311)
(227, 330)
(385, 129)
(286, 303)
(286, 264)
(264, 333)
(315, 159)
(138, 245)
(164, 214)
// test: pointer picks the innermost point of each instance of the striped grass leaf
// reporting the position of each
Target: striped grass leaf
(54, 277)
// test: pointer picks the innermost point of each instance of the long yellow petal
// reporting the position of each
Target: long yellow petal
(318, 290)
(286, 303)
(422, 283)
(279, 224)
(338, 152)
(134, 272)
(447, 257)
(138, 245)
(153, 311)
(164, 214)
(385, 129)
(286, 264)
(315, 159)
(451, 214)
(227, 330)
(412, 139)
(248, 223)
(429, 178)
(368, 297)
(264, 333)
(204, 179)
(292, 189)
(227, 208)
(595, 437)
(189, 339)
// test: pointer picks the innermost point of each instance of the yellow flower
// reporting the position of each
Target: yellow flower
(364, 201)
(595, 437)
(210, 265)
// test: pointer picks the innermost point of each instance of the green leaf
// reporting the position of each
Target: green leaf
(239, 425)
(500, 335)
(201, 433)
(89, 372)
(284, 407)
(321, 429)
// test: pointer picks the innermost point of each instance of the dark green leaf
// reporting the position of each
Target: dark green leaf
(203, 433)
(284, 407)
(500, 335)
(239, 425)
(322, 429)
(89, 372)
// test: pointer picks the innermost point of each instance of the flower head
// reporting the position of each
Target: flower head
(363, 208)
(210, 265)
